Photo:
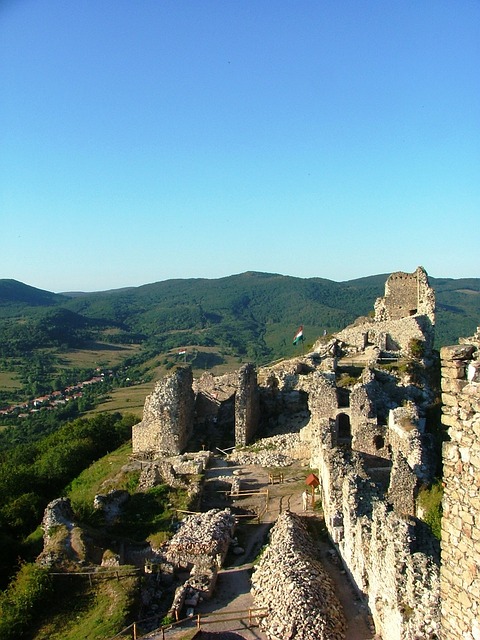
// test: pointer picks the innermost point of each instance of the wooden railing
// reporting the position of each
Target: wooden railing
(251, 614)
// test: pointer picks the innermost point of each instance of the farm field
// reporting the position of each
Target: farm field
(9, 381)
(98, 354)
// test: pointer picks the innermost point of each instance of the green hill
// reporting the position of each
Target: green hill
(253, 314)
(48, 339)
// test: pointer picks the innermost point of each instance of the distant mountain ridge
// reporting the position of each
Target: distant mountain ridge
(252, 313)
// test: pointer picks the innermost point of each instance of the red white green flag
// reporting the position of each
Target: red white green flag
(298, 336)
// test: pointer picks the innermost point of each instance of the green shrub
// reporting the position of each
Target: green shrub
(416, 348)
(430, 501)
(23, 600)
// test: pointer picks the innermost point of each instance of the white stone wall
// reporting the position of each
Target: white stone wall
(377, 546)
(460, 568)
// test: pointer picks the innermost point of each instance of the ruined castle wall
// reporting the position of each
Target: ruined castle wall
(168, 415)
(460, 567)
(388, 335)
(376, 544)
(247, 405)
(405, 312)
(406, 294)
(367, 435)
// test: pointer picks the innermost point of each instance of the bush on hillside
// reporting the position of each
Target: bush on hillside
(23, 600)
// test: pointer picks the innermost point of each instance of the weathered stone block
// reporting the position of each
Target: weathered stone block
(457, 352)
(451, 385)
(168, 416)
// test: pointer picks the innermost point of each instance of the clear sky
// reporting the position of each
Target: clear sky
(143, 140)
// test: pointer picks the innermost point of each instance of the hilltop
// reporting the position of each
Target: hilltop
(51, 341)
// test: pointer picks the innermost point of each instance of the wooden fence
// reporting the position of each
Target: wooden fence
(252, 614)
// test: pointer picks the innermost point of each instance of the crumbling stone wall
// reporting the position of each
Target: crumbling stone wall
(406, 294)
(168, 416)
(246, 405)
(367, 511)
(460, 568)
(212, 393)
(381, 550)
(406, 312)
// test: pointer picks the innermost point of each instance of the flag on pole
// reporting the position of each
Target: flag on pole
(298, 336)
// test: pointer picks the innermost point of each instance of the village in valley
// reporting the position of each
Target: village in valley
(56, 399)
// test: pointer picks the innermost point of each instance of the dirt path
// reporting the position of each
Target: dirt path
(233, 586)
(232, 592)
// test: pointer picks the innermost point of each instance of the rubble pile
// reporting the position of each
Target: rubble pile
(173, 470)
(204, 534)
(295, 587)
(265, 452)
(261, 458)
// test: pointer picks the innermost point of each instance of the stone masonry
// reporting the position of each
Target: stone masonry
(405, 313)
(180, 407)
(460, 567)
(246, 405)
(168, 415)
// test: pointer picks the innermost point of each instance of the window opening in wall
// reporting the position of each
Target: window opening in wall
(379, 442)
(343, 426)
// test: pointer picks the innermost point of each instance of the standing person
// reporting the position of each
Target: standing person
(305, 500)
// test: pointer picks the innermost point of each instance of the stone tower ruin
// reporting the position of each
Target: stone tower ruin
(405, 313)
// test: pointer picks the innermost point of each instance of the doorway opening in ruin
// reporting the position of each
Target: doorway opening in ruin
(379, 442)
(344, 430)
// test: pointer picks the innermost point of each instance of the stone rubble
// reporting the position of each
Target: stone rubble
(293, 584)
(111, 504)
(202, 535)
(266, 451)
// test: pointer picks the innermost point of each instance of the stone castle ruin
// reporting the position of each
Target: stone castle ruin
(360, 405)
(179, 408)
(405, 313)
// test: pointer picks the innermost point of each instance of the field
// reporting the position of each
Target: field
(98, 354)
(132, 399)
(9, 381)
(126, 400)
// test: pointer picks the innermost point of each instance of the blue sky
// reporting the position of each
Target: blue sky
(143, 140)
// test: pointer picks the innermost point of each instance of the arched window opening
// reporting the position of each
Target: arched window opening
(343, 426)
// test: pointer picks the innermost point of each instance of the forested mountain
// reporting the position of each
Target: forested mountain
(252, 314)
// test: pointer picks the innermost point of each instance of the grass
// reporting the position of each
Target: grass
(100, 477)
(82, 612)
(429, 499)
(97, 354)
(9, 381)
(125, 399)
